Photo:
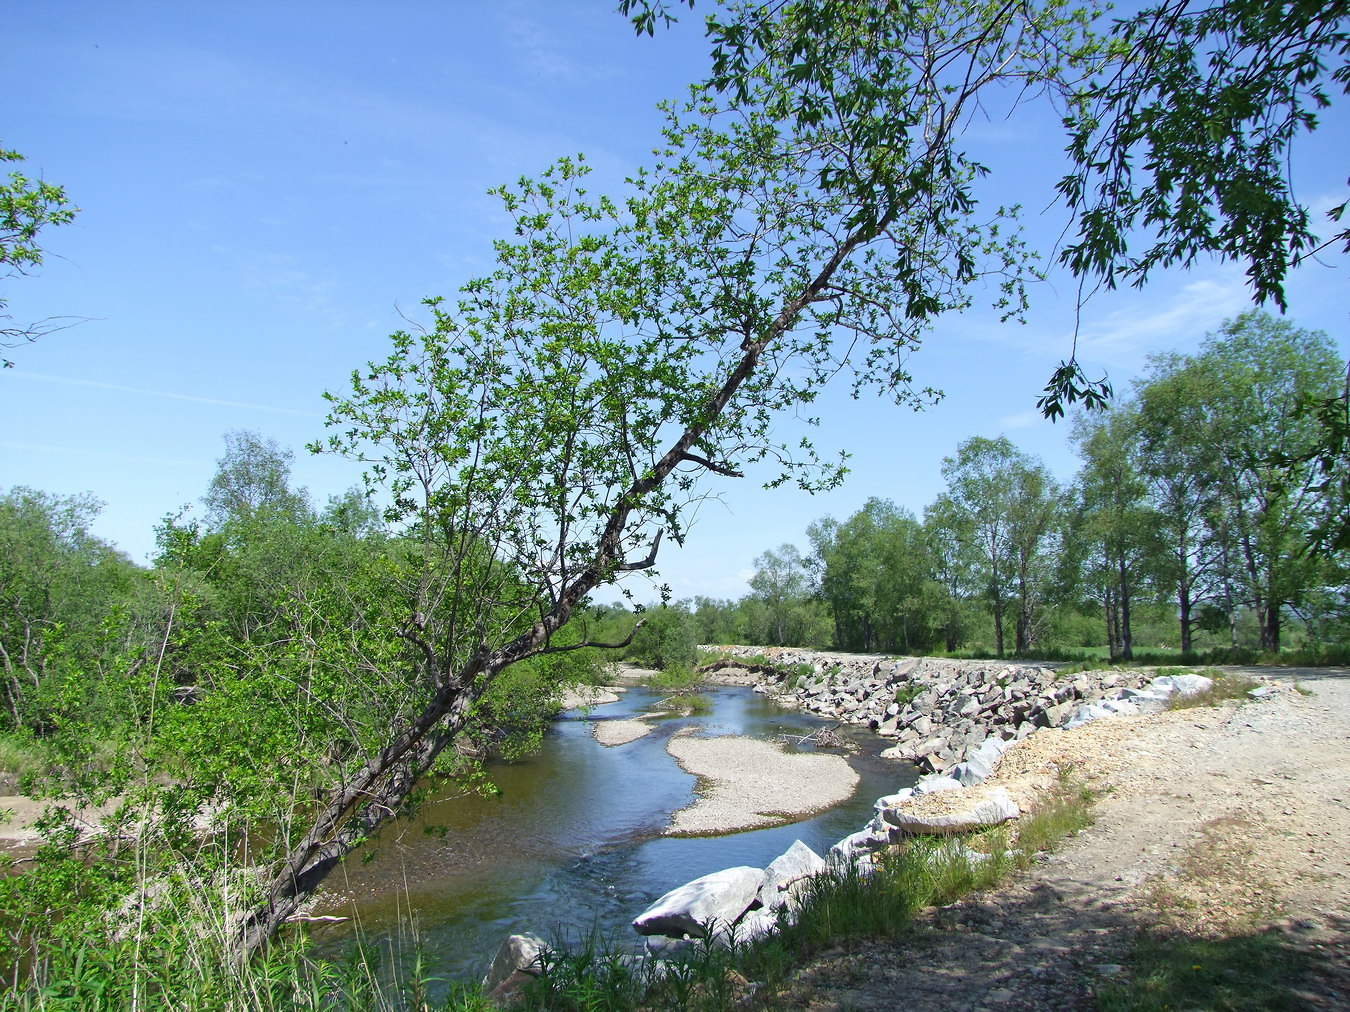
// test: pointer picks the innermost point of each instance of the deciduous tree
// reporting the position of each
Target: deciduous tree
(556, 422)
(27, 206)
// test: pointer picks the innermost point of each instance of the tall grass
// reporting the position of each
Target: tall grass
(675, 678)
(882, 899)
(117, 925)
(125, 931)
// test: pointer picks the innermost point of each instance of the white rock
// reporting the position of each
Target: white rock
(1087, 714)
(987, 806)
(935, 783)
(754, 925)
(1185, 685)
(890, 800)
(798, 863)
(517, 954)
(719, 898)
(856, 845)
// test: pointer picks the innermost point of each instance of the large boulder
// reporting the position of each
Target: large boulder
(1086, 714)
(702, 905)
(798, 863)
(1183, 685)
(980, 762)
(753, 926)
(949, 811)
(935, 784)
(518, 960)
(856, 845)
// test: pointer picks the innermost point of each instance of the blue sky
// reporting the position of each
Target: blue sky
(264, 189)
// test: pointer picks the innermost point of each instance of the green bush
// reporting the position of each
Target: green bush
(666, 638)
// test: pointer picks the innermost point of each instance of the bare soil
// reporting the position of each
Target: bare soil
(1211, 822)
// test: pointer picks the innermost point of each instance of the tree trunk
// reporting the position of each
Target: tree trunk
(1184, 610)
(1126, 636)
(357, 808)
(998, 625)
(1270, 627)
(1112, 618)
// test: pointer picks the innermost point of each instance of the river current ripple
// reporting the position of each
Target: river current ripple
(572, 843)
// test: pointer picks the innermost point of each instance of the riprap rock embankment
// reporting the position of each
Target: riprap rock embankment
(938, 710)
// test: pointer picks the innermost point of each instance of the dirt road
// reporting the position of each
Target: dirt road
(1217, 823)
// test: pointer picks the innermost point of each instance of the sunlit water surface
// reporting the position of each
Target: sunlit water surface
(572, 843)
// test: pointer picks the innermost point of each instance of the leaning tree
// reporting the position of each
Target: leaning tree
(562, 415)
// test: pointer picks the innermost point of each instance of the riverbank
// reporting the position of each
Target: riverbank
(1220, 829)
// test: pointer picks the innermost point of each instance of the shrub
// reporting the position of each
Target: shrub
(666, 638)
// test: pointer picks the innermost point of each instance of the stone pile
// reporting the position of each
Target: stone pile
(938, 711)
(975, 710)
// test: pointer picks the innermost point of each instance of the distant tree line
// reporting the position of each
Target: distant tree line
(1195, 520)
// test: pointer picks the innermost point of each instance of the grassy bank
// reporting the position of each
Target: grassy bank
(122, 942)
(886, 900)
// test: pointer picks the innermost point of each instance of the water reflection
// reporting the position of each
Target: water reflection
(573, 843)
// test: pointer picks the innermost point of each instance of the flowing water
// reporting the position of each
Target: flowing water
(573, 841)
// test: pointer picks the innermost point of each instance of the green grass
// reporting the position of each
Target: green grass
(1246, 973)
(1067, 811)
(883, 902)
(907, 693)
(675, 678)
(690, 704)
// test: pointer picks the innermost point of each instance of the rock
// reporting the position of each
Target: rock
(1264, 692)
(891, 800)
(935, 785)
(980, 762)
(799, 862)
(1052, 716)
(1087, 714)
(949, 812)
(1146, 697)
(1184, 685)
(719, 898)
(516, 962)
(854, 846)
(754, 925)
(1120, 707)
(929, 747)
(665, 947)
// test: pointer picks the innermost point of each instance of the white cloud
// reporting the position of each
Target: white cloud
(140, 392)
(540, 50)
(1021, 420)
(300, 292)
(1149, 322)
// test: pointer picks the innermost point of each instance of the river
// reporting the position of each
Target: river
(572, 842)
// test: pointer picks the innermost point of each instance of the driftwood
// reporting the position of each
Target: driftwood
(826, 737)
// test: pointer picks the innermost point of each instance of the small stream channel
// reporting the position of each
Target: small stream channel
(573, 841)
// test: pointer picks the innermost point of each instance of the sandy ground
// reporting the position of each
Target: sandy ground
(745, 783)
(18, 814)
(619, 732)
(590, 695)
(1212, 822)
